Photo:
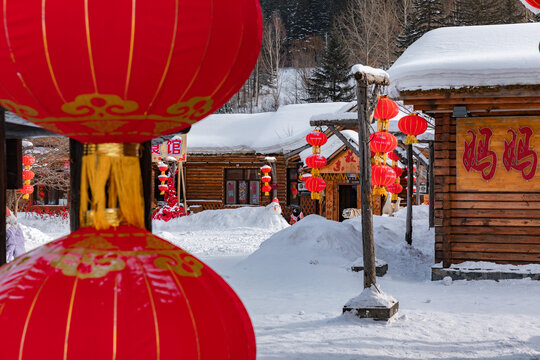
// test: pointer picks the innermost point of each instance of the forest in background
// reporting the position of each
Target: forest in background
(309, 46)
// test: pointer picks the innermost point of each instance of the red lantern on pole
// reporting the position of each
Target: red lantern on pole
(315, 162)
(386, 109)
(412, 125)
(382, 176)
(316, 139)
(315, 185)
(266, 178)
(380, 144)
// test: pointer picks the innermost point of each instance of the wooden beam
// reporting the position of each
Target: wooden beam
(148, 191)
(346, 123)
(3, 178)
(344, 140)
(75, 167)
(14, 164)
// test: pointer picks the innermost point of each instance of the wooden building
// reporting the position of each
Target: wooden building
(482, 87)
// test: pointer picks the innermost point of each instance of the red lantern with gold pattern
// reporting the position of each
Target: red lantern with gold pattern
(382, 176)
(382, 142)
(386, 109)
(126, 71)
(316, 138)
(119, 294)
(412, 125)
(316, 161)
(315, 185)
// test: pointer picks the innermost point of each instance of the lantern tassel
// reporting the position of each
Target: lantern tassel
(379, 190)
(111, 178)
(394, 197)
(411, 139)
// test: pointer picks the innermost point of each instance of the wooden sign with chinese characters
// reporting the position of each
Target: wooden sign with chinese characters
(498, 154)
(175, 147)
(344, 163)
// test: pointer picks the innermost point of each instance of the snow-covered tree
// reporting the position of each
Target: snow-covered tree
(332, 80)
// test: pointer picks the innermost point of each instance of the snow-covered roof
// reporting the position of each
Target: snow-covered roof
(14, 119)
(264, 133)
(471, 56)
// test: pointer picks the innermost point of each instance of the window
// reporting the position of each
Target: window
(292, 187)
(242, 186)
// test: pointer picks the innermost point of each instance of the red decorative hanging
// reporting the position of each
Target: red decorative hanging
(534, 3)
(163, 188)
(382, 176)
(397, 170)
(316, 161)
(386, 109)
(266, 189)
(266, 178)
(28, 160)
(316, 139)
(315, 185)
(101, 72)
(163, 178)
(412, 125)
(119, 294)
(395, 188)
(28, 174)
(381, 143)
(393, 156)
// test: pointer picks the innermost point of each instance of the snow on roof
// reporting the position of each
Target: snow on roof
(14, 119)
(265, 133)
(471, 56)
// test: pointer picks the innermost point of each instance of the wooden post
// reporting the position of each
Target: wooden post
(431, 185)
(408, 231)
(75, 165)
(3, 178)
(148, 191)
(14, 164)
(365, 183)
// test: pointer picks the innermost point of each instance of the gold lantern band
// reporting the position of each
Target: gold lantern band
(111, 186)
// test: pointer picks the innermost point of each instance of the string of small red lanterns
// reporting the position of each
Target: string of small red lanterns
(266, 178)
(396, 187)
(314, 183)
(163, 178)
(27, 175)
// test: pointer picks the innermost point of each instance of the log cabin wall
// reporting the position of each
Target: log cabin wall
(205, 179)
(473, 222)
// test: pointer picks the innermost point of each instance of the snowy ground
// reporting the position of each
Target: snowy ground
(294, 282)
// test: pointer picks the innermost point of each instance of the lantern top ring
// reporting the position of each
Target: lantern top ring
(113, 149)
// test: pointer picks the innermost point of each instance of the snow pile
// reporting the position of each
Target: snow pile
(224, 219)
(318, 241)
(469, 56)
(370, 298)
(485, 266)
(40, 230)
(373, 75)
(34, 238)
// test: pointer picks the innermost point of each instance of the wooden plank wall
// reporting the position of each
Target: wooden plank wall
(205, 177)
(479, 226)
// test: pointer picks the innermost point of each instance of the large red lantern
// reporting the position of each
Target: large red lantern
(381, 143)
(100, 72)
(119, 294)
(315, 185)
(398, 170)
(316, 161)
(412, 125)
(382, 176)
(316, 139)
(395, 188)
(386, 109)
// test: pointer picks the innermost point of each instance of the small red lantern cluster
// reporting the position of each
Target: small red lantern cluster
(314, 183)
(396, 187)
(266, 178)
(381, 143)
(27, 176)
(412, 125)
(163, 178)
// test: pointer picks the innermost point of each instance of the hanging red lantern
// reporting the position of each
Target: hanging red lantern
(163, 167)
(28, 174)
(414, 189)
(395, 189)
(386, 109)
(397, 170)
(381, 143)
(407, 178)
(316, 161)
(382, 176)
(28, 160)
(305, 177)
(412, 125)
(41, 194)
(163, 178)
(315, 185)
(316, 139)
(163, 188)
(137, 295)
(393, 156)
(266, 178)
(534, 3)
(100, 73)
(27, 189)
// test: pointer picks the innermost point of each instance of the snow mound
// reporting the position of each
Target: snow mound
(419, 212)
(371, 297)
(34, 237)
(318, 241)
(244, 217)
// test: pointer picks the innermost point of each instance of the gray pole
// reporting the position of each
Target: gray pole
(408, 232)
(365, 183)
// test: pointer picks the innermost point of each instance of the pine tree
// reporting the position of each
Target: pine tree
(331, 81)
(425, 15)
(478, 12)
